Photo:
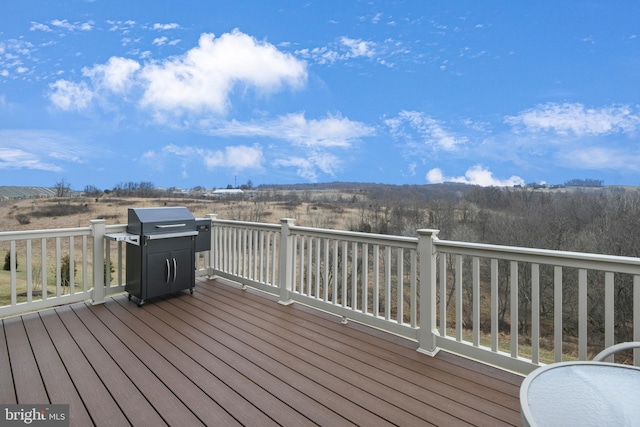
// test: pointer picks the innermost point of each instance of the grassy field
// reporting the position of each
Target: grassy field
(56, 213)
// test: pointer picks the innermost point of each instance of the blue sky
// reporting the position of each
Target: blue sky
(211, 93)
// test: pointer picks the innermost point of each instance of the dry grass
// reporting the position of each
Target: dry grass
(78, 212)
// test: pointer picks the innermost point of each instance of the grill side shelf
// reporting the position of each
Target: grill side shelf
(133, 239)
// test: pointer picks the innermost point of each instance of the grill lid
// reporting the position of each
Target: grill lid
(169, 221)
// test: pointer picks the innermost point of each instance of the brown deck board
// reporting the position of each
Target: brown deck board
(394, 376)
(97, 399)
(26, 376)
(7, 391)
(227, 356)
(164, 401)
(56, 380)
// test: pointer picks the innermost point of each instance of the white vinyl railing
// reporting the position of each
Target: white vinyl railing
(60, 266)
(516, 308)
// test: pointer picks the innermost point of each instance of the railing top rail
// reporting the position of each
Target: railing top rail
(247, 224)
(356, 236)
(38, 234)
(592, 261)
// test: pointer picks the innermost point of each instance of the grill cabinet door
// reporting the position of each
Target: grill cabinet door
(170, 266)
(159, 274)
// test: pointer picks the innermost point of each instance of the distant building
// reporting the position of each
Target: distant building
(225, 192)
(10, 192)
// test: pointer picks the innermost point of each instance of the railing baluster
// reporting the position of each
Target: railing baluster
(495, 332)
(609, 326)
(476, 302)
(636, 318)
(325, 289)
(387, 283)
(535, 313)
(400, 285)
(29, 273)
(443, 294)
(609, 319)
(12, 272)
(335, 272)
(376, 280)
(365, 278)
(582, 314)
(303, 241)
(344, 273)
(85, 272)
(107, 263)
(317, 291)
(354, 275)
(72, 266)
(43, 268)
(514, 308)
(557, 313)
(414, 289)
(296, 261)
(459, 306)
(58, 269)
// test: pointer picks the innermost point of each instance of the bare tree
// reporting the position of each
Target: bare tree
(63, 188)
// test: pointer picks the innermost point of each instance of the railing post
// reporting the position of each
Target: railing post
(97, 231)
(212, 252)
(428, 304)
(285, 261)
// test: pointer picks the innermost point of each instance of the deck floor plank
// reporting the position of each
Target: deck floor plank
(26, 375)
(156, 364)
(129, 399)
(228, 356)
(395, 380)
(7, 391)
(205, 369)
(327, 370)
(272, 372)
(56, 379)
(99, 402)
(396, 372)
(171, 409)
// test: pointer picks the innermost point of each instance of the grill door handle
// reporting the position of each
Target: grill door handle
(175, 269)
(168, 270)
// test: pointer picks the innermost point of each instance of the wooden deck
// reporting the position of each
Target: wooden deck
(224, 356)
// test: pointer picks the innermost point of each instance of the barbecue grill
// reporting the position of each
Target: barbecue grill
(161, 250)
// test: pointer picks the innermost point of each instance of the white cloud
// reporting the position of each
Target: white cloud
(172, 26)
(15, 158)
(70, 96)
(600, 158)
(358, 47)
(476, 175)
(576, 119)
(410, 126)
(344, 49)
(43, 150)
(237, 158)
(159, 41)
(117, 75)
(202, 79)
(199, 81)
(310, 166)
(331, 131)
(76, 26)
(36, 26)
